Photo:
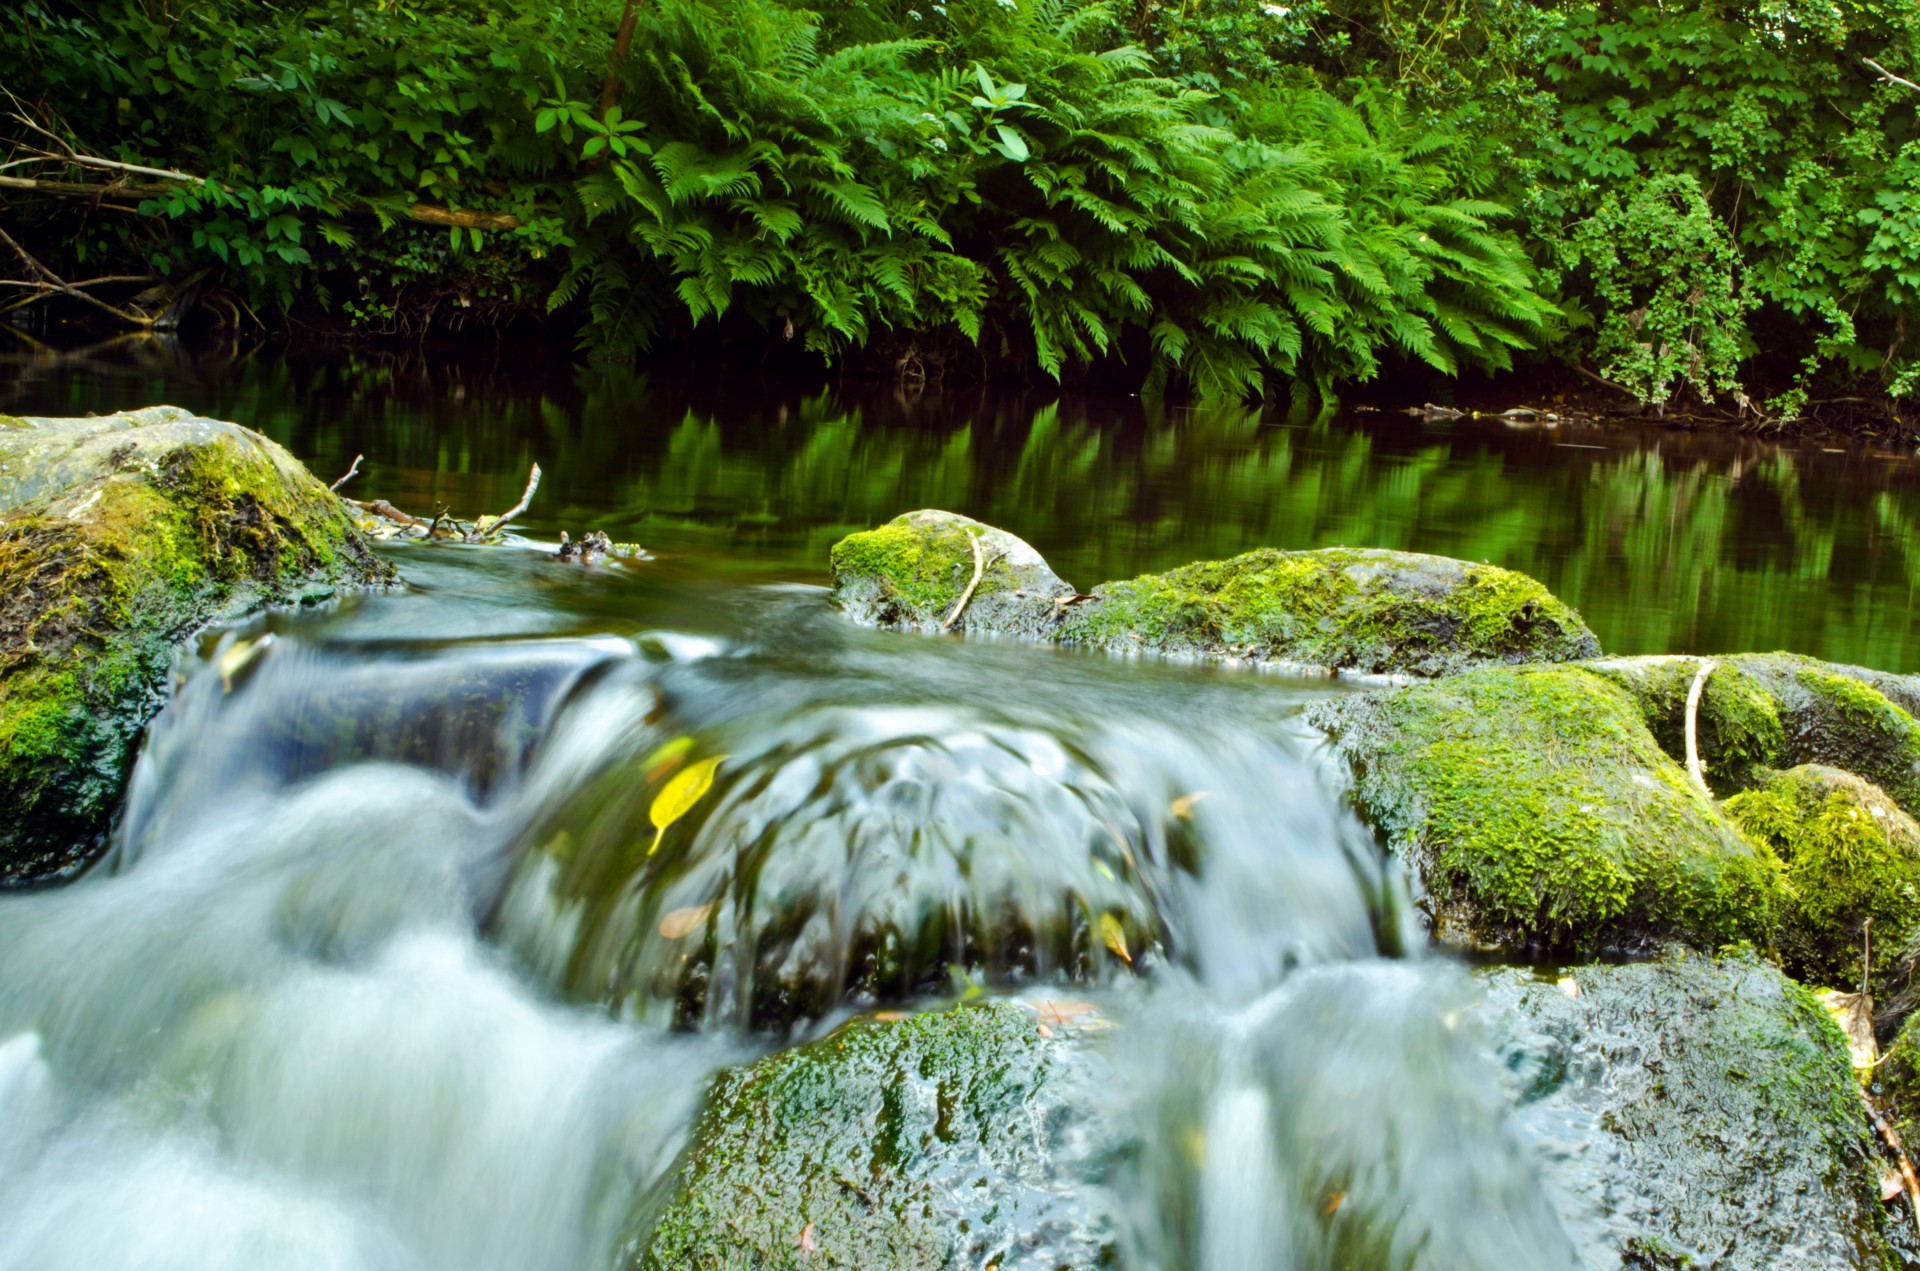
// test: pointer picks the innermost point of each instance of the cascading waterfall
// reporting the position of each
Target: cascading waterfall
(380, 972)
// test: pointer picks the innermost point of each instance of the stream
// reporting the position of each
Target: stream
(391, 967)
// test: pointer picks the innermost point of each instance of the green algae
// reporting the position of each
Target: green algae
(1720, 1105)
(99, 580)
(925, 1142)
(1368, 611)
(1539, 812)
(1850, 854)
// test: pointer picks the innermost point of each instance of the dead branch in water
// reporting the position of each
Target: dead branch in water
(495, 526)
(349, 475)
(1694, 768)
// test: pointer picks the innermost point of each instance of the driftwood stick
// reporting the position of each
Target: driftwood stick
(380, 507)
(54, 284)
(1889, 76)
(979, 571)
(351, 472)
(1694, 769)
(526, 497)
(1892, 1140)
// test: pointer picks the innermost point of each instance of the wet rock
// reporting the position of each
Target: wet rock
(1534, 809)
(1763, 711)
(930, 1142)
(1365, 611)
(1694, 1112)
(1851, 856)
(118, 536)
(911, 573)
(1373, 612)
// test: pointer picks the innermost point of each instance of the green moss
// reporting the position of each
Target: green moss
(920, 570)
(98, 581)
(1539, 810)
(1369, 611)
(925, 1142)
(1850, 855)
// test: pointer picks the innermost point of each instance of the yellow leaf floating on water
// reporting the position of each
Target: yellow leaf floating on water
(1115, 937)
(678, 923)
(677, 797)
(238, 657)
(666, 757)
(1182, 807)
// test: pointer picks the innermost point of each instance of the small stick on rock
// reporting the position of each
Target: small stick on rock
(526, 496)
(1693, 732)
(1892, 1140)
(979, 569)
(351, 473)
(380, 507)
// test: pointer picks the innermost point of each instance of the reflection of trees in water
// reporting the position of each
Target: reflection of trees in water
(1665, 541)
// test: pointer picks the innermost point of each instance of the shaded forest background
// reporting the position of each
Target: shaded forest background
(1707, 203)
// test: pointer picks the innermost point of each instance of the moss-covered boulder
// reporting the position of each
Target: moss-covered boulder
(1694, 1112)
(118, 536)
(1851, 855)
(1762, 711)
(1373, 612)
(929, 1142)
(1534, 810)
(911, 573)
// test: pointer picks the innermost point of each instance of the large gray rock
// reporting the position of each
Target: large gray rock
(928, 1142)
(118, 536)
(1694, 1112)
(912, 572)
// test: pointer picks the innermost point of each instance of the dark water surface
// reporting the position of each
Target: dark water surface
(1665, 541)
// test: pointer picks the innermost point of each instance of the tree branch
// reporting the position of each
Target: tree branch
(622, 41)
(52, 283)
(1889, 76)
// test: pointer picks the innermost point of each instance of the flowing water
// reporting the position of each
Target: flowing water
(390, 965)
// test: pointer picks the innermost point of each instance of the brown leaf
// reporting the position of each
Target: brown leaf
(808, 1244)
(1891, 1184)
(1854, 1013)
(1333, 1204)
(678, 923)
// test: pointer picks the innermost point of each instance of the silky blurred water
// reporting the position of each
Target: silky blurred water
(391, 964)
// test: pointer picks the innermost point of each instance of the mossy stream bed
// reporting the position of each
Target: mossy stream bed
(658, 915)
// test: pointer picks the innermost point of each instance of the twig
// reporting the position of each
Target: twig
(979, 569)
(350, 474)
(1889, 76)
(1693, 731)
(1892, 1140)
(526, 496)
(91, 282)
(380, 507)
(438, 517)
(1605, 382)
(55, 284)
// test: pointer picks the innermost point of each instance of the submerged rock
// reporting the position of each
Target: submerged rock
(926, 1142)
(1851, 856)
(1694, 1112)
(1534, 809)
(118, 536)
(912, 572)
(1373, 612)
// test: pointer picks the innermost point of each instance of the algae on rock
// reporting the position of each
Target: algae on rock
(913, 571)
(933, 1141)
(1535, 810)
(118, 536)
(1702, 1112)
(1374, 612)
(1851, 855)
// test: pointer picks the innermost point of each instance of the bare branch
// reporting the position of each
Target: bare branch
(350, 474)
(1889, 76)
(53, 284)
(526, 497)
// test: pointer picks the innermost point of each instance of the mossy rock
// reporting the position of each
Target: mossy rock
(1702, 1113)
(1765, 711)
(1374, 612)
(118, 536)
(1536, 811)
(911, 572)
(1851, 855)
(929, 1142)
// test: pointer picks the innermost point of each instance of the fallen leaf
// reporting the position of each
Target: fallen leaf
(238, 657)
(1891, 1184)
(1114, 937)
(1182, 807)
(1568, 985)
(1333, 1204)
(807, 1243)
(1854, 1013)
(666, 757)
(1045, 1031)
(892, 1017)
(1061, 1010)
(678, 923)
(678, 796)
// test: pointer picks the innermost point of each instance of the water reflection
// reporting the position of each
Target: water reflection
(1665, 541)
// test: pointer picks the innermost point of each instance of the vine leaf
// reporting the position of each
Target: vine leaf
(678, 796)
